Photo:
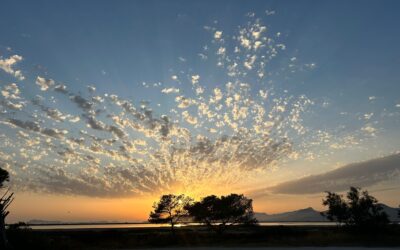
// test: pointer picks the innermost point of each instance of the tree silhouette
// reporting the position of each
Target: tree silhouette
(360, 209)
(5, 201)
(219, 212)
(338, 209)
(4, 176)
(170, 209)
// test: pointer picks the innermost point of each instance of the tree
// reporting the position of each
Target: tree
(219, 212)
(338, 210)
(4, 177)
(5, 201)
(170, 209)
(360, 209)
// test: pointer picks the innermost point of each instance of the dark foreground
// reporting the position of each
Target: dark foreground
(271, 236)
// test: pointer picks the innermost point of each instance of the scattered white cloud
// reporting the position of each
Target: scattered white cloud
(170, 90)
(270, 12)
(369, 129)
(44, 83)
(218, 35)
(7, 65)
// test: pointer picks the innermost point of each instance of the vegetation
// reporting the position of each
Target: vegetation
(200, 236)
(215, 212)
(360, 209)
(219, 212)
(5, 201)
(4, 177)
(170, 209)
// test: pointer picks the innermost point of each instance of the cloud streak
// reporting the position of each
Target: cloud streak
(362, 174)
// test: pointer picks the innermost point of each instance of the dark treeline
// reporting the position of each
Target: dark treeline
(217, 213)
(360, 210)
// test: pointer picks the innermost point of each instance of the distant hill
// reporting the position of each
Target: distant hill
(311, 215)
(307, 214)
(392, 212)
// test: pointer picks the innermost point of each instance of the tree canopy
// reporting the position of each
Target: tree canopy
(4, 176)
(170, 209)
(219, 212)
(360, 209)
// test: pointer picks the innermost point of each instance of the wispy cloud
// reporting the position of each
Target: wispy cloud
(361, 174)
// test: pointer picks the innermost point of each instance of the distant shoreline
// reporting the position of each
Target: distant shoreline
(147, 223)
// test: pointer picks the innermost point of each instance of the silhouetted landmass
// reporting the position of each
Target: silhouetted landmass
(201, 236)
(301, 215)
(311, 215)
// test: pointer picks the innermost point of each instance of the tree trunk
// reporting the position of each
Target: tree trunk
(3, 237)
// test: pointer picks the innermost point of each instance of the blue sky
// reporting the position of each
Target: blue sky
(339, 59)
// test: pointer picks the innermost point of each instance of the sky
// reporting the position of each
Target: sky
(106, 105)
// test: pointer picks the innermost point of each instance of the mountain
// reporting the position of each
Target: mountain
(307, 214)
(392, 212)
(311, 215)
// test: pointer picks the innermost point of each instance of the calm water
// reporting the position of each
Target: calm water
(147, 225)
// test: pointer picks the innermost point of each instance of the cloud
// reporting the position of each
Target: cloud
(82, 102)
(369, 129)
(170, 90)
(217, 35)
(11, 95)
(7, 64)
(362, 174)
(34, 126)
(44, 83)
(269, 12)
(216, 135)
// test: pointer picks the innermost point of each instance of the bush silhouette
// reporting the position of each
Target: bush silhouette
(360, 209)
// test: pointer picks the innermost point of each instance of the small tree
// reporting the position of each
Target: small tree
(360, 209)
(338, 210)
(219, 212)
(5, 201)
(170, 209)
